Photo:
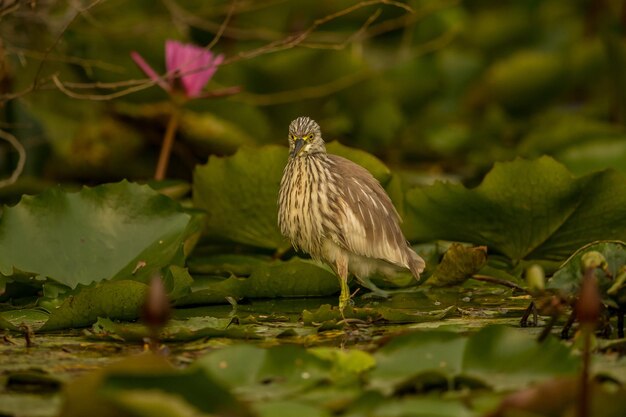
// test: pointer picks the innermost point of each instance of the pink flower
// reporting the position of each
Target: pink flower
(192, 65)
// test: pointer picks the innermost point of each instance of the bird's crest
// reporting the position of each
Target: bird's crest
(303, 126)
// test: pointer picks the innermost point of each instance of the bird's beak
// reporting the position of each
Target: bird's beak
(297, 146)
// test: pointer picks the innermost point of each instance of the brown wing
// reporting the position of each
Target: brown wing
(370, 224)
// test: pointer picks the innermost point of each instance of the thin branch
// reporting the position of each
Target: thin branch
(223, 26)
(20, 162)
(282, 44)
(191, 19)
(294, 40)
(49, 50)
(339, 84)
(103, 97)
(352, 38)
(88, 64)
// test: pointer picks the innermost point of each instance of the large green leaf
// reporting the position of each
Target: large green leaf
(273, 373)
(422, 354)
(240, 195)
(148, 385)
(117, 300)
(240, 192)
(496, 356)
(112, 231)
(504, 358)
(294, 278)
(524, 209)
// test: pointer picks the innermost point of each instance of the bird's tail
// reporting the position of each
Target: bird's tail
(416, 264)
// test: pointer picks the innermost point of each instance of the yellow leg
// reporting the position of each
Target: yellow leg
(342, 272)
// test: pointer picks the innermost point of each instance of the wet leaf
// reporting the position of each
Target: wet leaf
(197, 390)
(432, 354)
(175, 330)
(117, 300)
(12, 319)
(505, 358)
(294, 278)
(225, 264)
(262, 374)
(326, 315)
(459, 263)
(82, 395)
(6, 324)
(240, 194)
(546, 212)
(346, 362)
(96, 234)
(496, 356)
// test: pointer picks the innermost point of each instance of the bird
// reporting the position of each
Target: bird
(337, 212)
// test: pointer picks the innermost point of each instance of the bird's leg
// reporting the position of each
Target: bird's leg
(342, 271)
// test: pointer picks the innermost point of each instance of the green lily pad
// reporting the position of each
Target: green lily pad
(546, 212)
(195, 386)
(505, 358)
(240, 194)
(294, 278)
(263, 374)
(345, 362)
(175, 330)
(112, 231)
(496, 356)
(116, 299)
(31, 317)
(225, 264)
(326, 315)
(407, 358)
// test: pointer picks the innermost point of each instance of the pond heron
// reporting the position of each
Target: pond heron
(336, 211)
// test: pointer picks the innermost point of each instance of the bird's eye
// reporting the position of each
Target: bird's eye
(311, 136)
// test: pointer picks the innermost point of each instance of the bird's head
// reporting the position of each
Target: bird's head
(305, 137)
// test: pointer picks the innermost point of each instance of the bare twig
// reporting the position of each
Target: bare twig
(101, 97)
(338, 84)
(352, 38)
(20, 162)
(295, 40)
(87, 64)
(58, 39)
(220, 31)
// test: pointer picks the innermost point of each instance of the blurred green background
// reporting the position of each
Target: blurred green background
(438, 91)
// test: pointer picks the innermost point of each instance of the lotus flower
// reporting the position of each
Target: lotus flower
(192, 65)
